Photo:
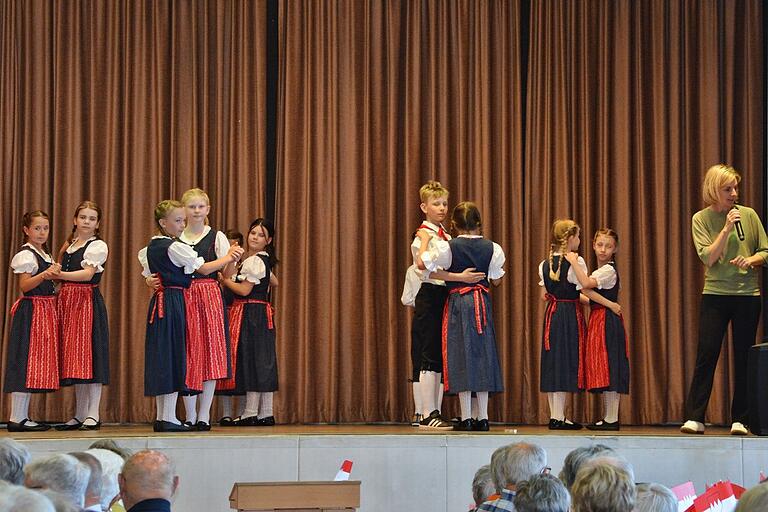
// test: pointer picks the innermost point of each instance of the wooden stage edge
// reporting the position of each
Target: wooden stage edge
(356, 429)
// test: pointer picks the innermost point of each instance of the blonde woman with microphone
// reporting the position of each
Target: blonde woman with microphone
(731, 242)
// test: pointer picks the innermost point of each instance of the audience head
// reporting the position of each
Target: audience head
(93, 489)
(15, 498)
(754, 500)
(13, 457)
(61, 503)
(109, 444)
(655, 498)
(482, 484)
(575, 459)
(603, 488)
(61, 473)
(611, 459)
(147, 474)
(111, 465)
(516, 463)
(542, 493)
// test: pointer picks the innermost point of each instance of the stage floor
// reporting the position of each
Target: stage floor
(403, 467)
(145, 430)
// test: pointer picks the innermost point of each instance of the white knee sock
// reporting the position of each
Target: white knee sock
(226, 406)
(251, 404)
(240, 406)
(265, 407)
(159, 402)
(206, 399)
(611, 399)
(81, 401)
(416, 398)
(94, 400)
(439, 391)
(556, 405)
(482, 405)
(169, 408)
(190, 408)
(475, 411)
(465, 402)
(427, 390)
(20, 406)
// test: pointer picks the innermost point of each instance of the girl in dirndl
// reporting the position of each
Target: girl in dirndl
(32, 363)
(208, 343)
(252, 329)
(564, 335)
(83, 317)
(607, 362)
(470, 363)
(226, 396)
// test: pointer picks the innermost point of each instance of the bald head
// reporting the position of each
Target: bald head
(147, 474)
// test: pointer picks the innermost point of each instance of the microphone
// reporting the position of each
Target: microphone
(738, 226)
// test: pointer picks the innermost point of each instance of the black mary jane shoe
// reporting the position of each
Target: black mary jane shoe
(202, 426)
(95, 426)
(563, 425)
(61, 427)
(190, 426)
(269, 421)
(22, 426)
(481, 426)
(250, 421)
(466, 425)
(156, 426)
(168, 426)
(227, 421)
(604, 426)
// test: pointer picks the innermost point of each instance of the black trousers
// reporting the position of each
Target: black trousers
(427, 329)
(717, 311)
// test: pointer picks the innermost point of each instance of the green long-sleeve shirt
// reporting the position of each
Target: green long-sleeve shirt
(724, 278)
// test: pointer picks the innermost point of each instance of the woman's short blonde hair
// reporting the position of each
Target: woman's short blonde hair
(716, 178)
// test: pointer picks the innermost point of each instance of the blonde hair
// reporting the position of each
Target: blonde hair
(162, 210)
(193, 193)
(716, 178)
(562, 229)
(432, 189)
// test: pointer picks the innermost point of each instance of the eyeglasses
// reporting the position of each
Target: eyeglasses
(546, 471)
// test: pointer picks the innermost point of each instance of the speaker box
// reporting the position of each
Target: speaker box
(758, 389)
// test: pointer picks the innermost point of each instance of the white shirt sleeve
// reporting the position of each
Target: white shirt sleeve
(96, 255)
(144, 262)
(24, 262)
(605, 277)
(411, 286)
(572, 273)
(253, 270)
(438, 255)
(221, 245)
(183, 255)
(496, 267)
(541, 273)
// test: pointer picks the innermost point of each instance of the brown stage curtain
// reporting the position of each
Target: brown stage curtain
(377, 98)
(127, 103)
(629, 103)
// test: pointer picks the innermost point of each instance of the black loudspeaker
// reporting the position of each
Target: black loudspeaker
(758, 389)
